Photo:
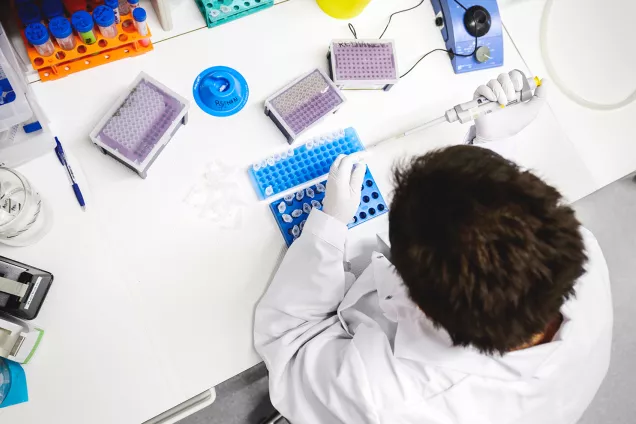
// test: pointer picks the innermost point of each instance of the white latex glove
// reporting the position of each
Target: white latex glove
(512, 120)
(344, 187)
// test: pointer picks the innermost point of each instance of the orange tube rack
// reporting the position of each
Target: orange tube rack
(84, 56)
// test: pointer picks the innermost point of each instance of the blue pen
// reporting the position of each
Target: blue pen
(59, 151)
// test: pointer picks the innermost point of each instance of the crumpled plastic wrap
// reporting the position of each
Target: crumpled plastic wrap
(218, 196)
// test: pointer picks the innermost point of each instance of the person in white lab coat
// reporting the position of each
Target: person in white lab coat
(495, 307)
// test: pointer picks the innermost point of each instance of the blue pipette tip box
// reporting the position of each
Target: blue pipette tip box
(218, 12)
(296, 166)
(291, 212)
(303, 103)
(140, 124)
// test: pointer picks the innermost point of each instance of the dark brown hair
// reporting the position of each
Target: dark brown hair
(488, 251)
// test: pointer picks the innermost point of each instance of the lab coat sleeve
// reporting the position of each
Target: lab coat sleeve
(315, 372)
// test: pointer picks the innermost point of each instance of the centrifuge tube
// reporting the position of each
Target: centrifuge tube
(289, 199)
(300, 195)
(296, 213)
(310, 192)
(302, 224)
(295, 231)
(320, 188)
(287, 218)
(281, 207)
(306, 208)
(316, 204)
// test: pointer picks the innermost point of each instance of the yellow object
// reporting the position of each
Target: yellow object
(343, 9)
(537, 81)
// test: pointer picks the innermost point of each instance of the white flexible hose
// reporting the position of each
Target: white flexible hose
(559, 82)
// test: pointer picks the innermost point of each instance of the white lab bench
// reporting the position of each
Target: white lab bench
(152, 305)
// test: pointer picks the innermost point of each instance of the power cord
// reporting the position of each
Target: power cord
(450, 52)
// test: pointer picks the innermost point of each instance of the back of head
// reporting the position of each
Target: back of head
(488, 251)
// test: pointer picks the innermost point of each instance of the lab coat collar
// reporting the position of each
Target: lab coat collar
(418, 340)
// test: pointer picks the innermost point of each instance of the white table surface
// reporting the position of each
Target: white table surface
(151, 304)
(591, 45)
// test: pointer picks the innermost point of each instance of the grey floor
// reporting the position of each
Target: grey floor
(243, 399)
(611, 215)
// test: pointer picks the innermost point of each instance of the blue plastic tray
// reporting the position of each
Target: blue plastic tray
(296, 207)
(304, 163)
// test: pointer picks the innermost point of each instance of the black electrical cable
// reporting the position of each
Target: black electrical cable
(450, 52)
(353, 31)
(396, 13)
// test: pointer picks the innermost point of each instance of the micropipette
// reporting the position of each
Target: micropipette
(469, 111)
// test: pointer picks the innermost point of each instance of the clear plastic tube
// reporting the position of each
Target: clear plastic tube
(66, 43)
(560, 83)
(124, 7)
(45, 49)
(109, 31)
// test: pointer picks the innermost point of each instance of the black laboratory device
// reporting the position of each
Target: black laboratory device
(23, 288)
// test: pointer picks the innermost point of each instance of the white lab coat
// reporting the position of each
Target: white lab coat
(369, 355)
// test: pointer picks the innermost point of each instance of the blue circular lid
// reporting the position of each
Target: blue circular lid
(13, 385)
(220, 91)
(29, 13)
(104, 16)
(60, 27)
(112, 3)
(36, 34)
(133, 1)
(52, 8)
(82, 21)
(139, 14)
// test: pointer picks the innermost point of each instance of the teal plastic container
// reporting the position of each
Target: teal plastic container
(218, 12)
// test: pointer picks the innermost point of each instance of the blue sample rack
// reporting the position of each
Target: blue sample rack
(311, 160)
(291, 211)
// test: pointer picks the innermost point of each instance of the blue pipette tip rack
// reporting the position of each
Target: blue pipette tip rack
(220, 91)
(303, 103)
(218, 12)
(293, 167)
(291, 212)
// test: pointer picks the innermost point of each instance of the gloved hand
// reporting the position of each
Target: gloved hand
(344, 187)
(510, 121)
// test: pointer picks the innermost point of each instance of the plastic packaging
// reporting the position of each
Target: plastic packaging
(343, 9)
(139, 16)
(363, 64)
(29, 13)
(303, 103)
(61, 29)
(218, 195)
(23, 220)
(114, 5)
(105, 20)
(52, 8)
(83, 24)
(38, 36)
(139, 125)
